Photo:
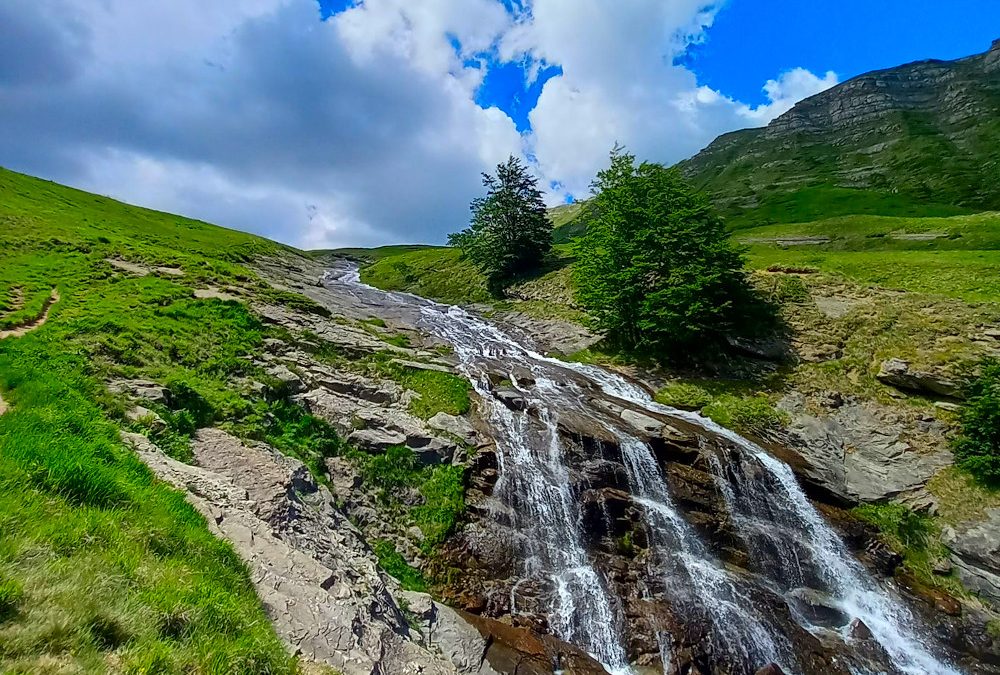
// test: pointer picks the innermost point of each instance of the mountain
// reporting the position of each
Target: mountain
(919, 139)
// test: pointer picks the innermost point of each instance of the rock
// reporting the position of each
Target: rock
(376, 440)
(292, 382)
(975, 551)
(817, 607)
(317, 579)
(859, 631)
(770, 669)
(897, 372)
(511, 398)
(858, 454)
(454, 425)
(947, 406)
(421, 365)
(643, 423)
(146, 417)
(143, 389)
(942, 567)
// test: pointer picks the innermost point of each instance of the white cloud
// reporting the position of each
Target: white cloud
(791, 87)
(620, 84)
(359, 130)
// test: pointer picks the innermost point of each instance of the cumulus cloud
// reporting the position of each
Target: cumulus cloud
(787, 90)
(359, 130)
(620, 83)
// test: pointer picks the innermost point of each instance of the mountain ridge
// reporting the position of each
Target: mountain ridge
(917, 139)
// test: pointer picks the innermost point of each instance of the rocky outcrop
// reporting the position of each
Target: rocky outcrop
(897, 373)
(314, 573)
(857, 452)
(975, 551)
(481, 646)
(922, 129)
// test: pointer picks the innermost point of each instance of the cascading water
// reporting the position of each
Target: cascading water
(790, 543)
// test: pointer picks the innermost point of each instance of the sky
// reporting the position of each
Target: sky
(325, 123)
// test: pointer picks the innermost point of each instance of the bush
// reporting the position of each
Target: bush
(977, 448)
(905, 528)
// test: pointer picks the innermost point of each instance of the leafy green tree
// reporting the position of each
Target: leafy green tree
(510, 234)
(977, 448)
(656, 267)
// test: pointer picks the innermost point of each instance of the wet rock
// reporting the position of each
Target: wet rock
(516, 650)
(770, 669)
(144, 389)
(897, 372)
(859, 631)
(817, 608)
(511, 398)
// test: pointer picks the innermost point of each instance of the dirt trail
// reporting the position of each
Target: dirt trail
(3, 405)
(37, 323)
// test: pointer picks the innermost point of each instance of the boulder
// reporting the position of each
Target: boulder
(144, 389)
(858, 454)
(817, 607)
(145, 417)
(511, 398)
(454, 425)
(288, 379)
(897, 372)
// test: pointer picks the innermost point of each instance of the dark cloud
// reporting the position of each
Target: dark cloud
(287, 110)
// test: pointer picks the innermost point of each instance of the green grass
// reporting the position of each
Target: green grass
(437, 273)
(441, 489)
(371, 254)
(389, 559)
(916, 537)
(732, 404)
(100, 563)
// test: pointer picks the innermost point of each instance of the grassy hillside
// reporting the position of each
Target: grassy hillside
(956, 257)
(102, 567)
(921, 139)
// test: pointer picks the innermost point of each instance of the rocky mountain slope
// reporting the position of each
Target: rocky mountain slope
(918, 139)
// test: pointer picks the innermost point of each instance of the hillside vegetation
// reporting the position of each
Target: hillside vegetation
(102, 567)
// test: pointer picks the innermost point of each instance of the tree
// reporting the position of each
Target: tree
(510, 234)
(656, 268)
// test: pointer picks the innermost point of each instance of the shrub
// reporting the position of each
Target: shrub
(977, 448)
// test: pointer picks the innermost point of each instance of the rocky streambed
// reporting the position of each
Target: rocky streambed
(601, 532)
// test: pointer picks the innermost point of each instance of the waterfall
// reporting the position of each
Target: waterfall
(790, 544)
(777, 511)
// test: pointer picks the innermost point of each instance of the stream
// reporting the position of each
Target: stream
(791, 545)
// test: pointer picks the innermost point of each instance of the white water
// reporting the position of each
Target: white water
(790, 542)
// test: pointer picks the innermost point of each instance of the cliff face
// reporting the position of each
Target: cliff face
(928, 131)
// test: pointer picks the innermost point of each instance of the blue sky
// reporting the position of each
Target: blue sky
(752, 40)
(364, 123)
